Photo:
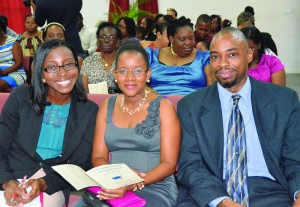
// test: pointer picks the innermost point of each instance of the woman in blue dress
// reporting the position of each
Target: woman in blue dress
(179, 69)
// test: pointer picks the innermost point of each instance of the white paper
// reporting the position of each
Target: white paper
(98, 88)
(35, 203)
(109, 176)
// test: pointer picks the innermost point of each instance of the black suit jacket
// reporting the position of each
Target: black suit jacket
(276, 113)
(19, 133)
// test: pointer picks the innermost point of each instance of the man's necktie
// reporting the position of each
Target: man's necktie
(236, 166)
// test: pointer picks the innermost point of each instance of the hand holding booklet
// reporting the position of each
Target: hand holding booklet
(111, 176)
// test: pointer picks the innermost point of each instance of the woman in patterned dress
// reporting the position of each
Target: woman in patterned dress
(99, 66)
(12, 73)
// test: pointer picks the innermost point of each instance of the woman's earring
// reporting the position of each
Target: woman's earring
(148, 81)
(43, 80)
(116, 80)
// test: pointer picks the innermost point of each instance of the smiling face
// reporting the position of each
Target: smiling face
(60, 84)
(229, 58)
(133, 83)
(183, 41)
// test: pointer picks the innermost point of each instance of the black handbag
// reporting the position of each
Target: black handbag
(91, 200)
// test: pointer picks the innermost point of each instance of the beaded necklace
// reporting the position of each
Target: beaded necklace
(132, 111)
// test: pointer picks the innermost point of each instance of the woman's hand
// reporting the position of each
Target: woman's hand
(109, 194)
(139, 185)
(12, 188)
(37, 186)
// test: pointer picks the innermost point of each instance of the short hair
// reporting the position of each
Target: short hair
(157, 17)
(226, 23)
(109, 24)
(173, 10)
(130, 25)
(249, 9)
(45, 29)
(178, 23)
(161, 27)
(39, 90)
(132, 46)
(245, 17)
(3, 26)
(203, 18)
(252, 33)
(234, 32)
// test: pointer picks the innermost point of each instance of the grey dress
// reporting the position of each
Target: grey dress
(139, 148)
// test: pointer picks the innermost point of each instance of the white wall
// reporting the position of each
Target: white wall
(270, 16)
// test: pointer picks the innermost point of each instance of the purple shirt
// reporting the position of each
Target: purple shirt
(267, 66)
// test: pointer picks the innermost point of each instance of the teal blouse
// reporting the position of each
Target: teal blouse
(51, 138)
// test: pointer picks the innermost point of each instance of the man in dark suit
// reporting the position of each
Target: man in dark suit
(271, 117)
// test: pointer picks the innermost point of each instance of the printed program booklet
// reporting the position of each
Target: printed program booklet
(111, 176)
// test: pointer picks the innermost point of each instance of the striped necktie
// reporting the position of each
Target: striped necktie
(236, 166)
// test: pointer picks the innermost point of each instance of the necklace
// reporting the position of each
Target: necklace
(132, 111)
(172, 51)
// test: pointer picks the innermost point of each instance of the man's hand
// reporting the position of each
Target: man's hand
(229, 203)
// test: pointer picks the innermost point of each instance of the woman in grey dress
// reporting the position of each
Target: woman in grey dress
(139, 128)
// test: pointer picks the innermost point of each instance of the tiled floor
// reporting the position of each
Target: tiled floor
(293, 81)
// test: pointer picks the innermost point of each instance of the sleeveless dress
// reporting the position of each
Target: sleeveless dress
(178, 80)
(139, 148)
(17, 77)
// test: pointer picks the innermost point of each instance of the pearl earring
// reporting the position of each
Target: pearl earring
(116, 81)
(148, 81)
(43, 80)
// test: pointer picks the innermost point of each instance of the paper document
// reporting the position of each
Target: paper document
(109, 176)
(98, 88)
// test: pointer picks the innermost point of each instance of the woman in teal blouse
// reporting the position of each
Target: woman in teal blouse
(49, 123)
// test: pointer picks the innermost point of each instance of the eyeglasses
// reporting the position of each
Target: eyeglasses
(56, 68)
(107, 38)
(136, 72)
(215, 23)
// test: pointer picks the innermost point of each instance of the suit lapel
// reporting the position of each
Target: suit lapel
(70, 140)
(264, 112)
(210, 117)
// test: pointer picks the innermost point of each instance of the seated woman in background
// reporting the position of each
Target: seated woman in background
(12, 73)
(147, 23)
(31, 39)
(266, 68)
(140, 129)
(127, 27)
(180, 69)
(162, 39)
(49, 123)
(99, 66)
(215, 25)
